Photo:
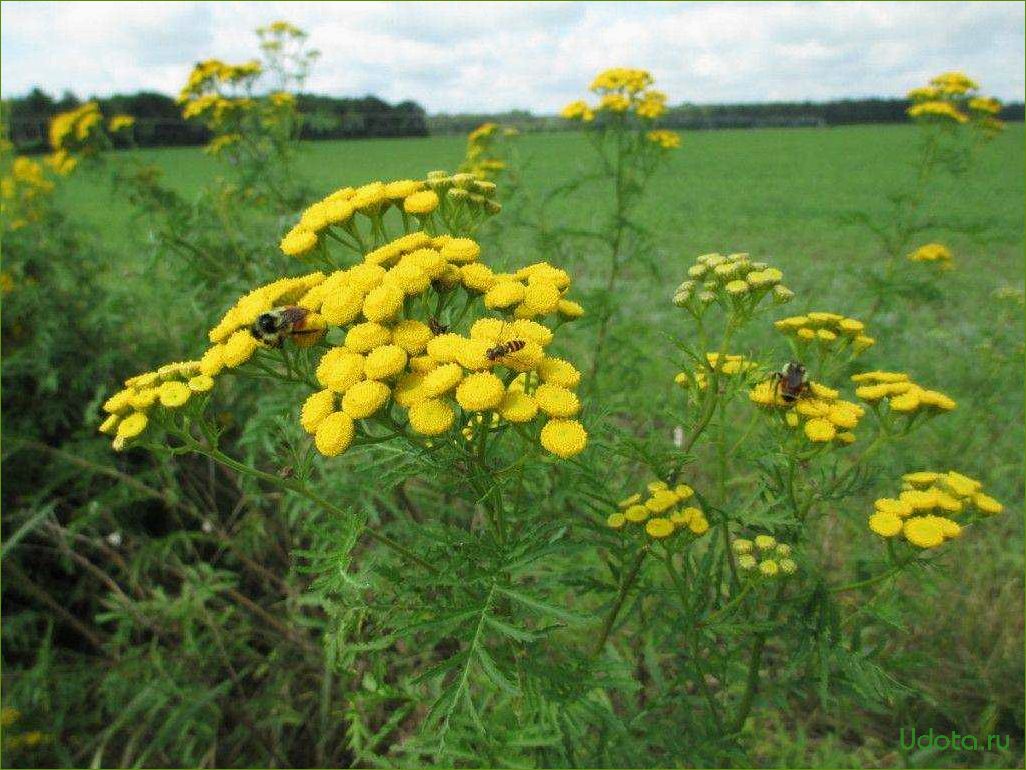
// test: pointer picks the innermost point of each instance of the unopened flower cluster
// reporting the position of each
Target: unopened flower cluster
(733, 281)
(484, 156)
(622, 93)
(821, 414)
(924, 512)
(661, 512)
(933, 252)
(830, 332)
(953, 99)
(764, 556)
(732, 365)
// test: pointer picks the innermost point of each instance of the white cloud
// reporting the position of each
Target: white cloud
(492, 56)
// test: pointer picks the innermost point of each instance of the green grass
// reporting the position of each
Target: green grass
(782, 196)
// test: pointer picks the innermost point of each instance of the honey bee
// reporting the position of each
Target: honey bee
(436, 326)
(790, 382)
(504, 349)
(275, 326)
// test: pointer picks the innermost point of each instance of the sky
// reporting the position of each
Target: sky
(493, 56)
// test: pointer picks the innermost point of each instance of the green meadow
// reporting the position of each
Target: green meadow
(787, 197)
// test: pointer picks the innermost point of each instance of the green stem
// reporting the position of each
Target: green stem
(621, 596)
(299, 488)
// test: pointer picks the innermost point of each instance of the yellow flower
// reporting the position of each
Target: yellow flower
(788, 566)
(569, 310)
(924, 532)
(384, 362)
(740, 545)
(765, 542)
(383, 303)
(659, 528)
(132, 426)
(541, 298)
(239, 348)
(892, 506)
(174, 394)
(110, 424)
(298, 241)
(431, 417)
(402, 188)
(441, 380)
(364, 337)
(421, 203)
(616, 520)
(334, 434)
(746, 562)
(340, 369)
(477, 276)
(411, 335)
(557, 371)
(460, 251)
(504, 294)
(518, 407)
(885, 524)
(564, 438)
(201, 383)
(769, 567)
(365, 398)
(342, 306)
(819, 430)
(987, 504)
(557, 401)
(480, 391)
(316, 407)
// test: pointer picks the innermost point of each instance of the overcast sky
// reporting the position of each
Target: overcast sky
(495, 56)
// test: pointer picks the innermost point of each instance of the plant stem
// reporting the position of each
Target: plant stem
(625, 588)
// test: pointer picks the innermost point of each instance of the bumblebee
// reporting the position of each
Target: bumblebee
(275, 326)
(504, 349)
(790, 382)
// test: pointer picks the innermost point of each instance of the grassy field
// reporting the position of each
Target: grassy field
(783, 195)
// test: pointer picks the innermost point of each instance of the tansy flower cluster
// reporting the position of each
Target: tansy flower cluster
(952, 99)
(900, 393)
(734, 281)
(623, 92)
(731, 366)
(24, 190)
(830, 332)
(661, 512)
(354, 216)
(668, 140)
(221, 96)
(925, 510)
(933, 252)
(73, 134)
(500, 367)
(764, 556)
(168, 388)
(484, 158)
(821, 414)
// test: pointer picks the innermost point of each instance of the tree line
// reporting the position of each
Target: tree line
(713, 116)
(159, 122)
